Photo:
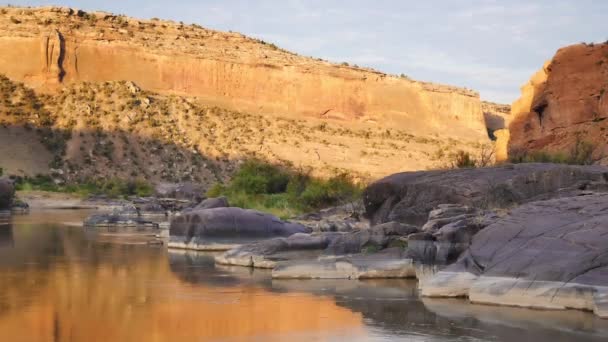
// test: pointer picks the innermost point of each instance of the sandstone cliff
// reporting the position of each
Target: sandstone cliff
(47, 48)
(564, 105)
(98, 95)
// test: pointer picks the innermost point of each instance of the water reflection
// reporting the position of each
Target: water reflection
(59, 284)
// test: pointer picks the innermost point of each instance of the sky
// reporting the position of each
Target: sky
(490, 46)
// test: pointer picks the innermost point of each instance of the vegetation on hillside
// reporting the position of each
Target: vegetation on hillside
(113, 188)
(580, 154)
(284, 192)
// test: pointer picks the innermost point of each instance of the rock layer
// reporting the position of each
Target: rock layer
(49, 47)
(564, 103)
(551, 254)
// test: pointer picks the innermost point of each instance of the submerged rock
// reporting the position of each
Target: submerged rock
(409, 197)
(550, 254)
(224, 228)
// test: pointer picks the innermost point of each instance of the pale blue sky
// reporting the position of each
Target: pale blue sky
(488, 45)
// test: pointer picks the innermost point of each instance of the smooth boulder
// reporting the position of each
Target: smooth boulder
(409, 197)
(225, 228)
(549, 254)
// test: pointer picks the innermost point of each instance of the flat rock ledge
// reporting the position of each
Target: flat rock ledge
(387, 264)
(549, 295)
(544, 255)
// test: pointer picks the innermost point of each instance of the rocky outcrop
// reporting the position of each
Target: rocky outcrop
(50, 47)
(7, 191)
(550, 254)
(268, 253)
(565, 103)
(225, 228)
(409, 197)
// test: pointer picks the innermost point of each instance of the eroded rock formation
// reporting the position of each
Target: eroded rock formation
(550, 254)
(564, 104)
(409, 197)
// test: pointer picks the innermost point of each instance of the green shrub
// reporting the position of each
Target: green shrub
(270, 188)
(580, 154)
(255, 177)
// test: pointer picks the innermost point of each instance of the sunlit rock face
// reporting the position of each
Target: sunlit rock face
(563, 104)
(49, 47)
(551, 254)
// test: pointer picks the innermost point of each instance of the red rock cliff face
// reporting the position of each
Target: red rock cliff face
(564, 103)
(47, 48)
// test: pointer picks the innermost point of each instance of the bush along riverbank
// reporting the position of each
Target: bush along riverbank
(285, 192)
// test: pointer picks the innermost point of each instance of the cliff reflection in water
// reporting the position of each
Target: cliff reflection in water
(59, 284)
(55, 285)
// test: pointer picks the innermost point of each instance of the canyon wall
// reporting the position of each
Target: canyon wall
(564, 107)
(47, 48)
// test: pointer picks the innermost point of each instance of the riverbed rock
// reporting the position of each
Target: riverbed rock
(183, 191)
(118, 220)
(409, 197)
(7, 191)
(344, 218)
(372, 239)
(549, 254)
(225, 228)
(389, 263)
(267, 253)
(211, 203)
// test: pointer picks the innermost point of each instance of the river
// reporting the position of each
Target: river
(59, 282)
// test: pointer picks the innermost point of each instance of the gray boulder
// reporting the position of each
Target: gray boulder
(549, 254)
(223, 228)
(409, 197)
(212, 203)
(7, 191)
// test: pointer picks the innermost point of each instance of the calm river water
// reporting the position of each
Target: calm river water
(60, 283)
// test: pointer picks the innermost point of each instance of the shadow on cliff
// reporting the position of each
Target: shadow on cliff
(81, 155)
